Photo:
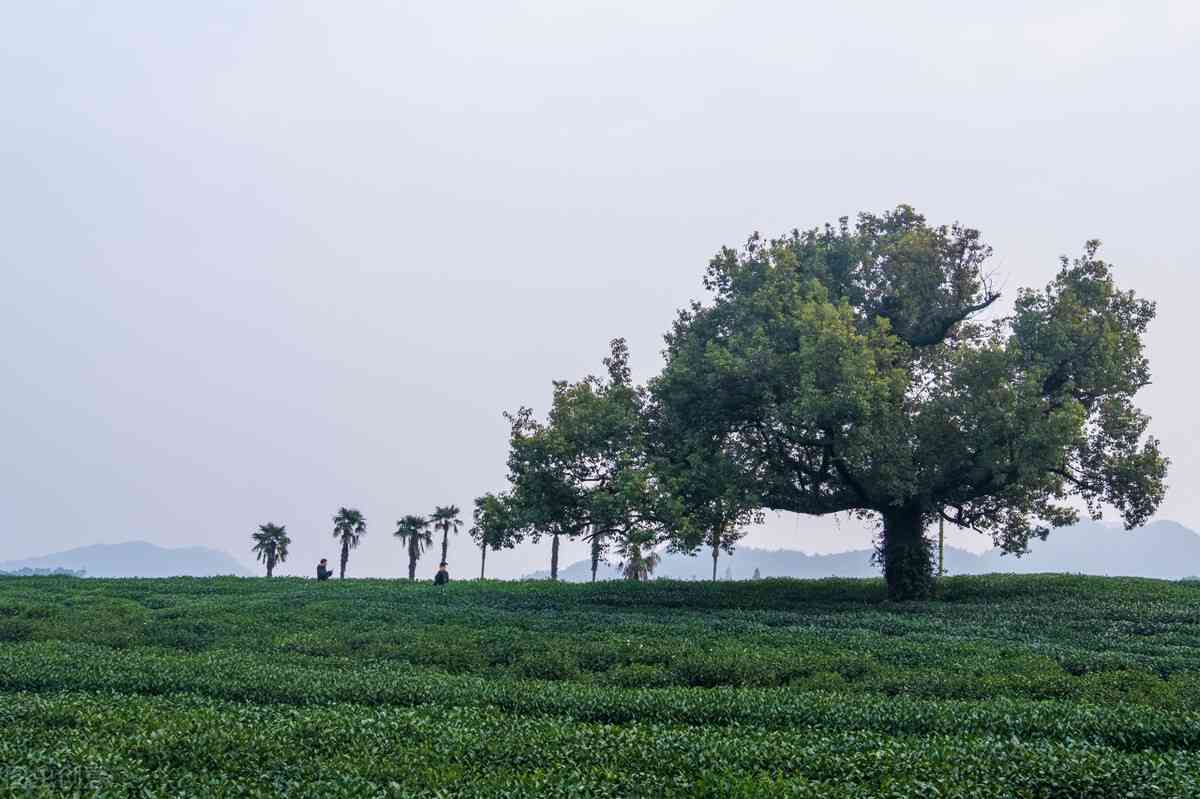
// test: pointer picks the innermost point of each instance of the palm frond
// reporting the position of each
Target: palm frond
(271, 539)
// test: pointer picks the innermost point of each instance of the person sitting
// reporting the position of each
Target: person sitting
(323, 572)
(442, 577)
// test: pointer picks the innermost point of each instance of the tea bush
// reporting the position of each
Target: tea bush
(1040, 686)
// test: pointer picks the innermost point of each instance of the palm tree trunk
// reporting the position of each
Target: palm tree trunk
(482, 559)
(270, 564)
(412, 559)
(554, 557)
(445, 543)
(716, 554)
(345, 557)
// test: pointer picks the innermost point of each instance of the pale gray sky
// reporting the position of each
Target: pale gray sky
(262, 260)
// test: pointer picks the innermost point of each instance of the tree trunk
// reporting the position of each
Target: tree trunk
(412, 567)
(906, 556)
(941, 546)
(445, 543)
(554, 557)
(270, 565)
(595, 555)
(345, 557)
(482, 559)
(716, 554)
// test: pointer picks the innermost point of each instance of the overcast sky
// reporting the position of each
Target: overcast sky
(262, 259)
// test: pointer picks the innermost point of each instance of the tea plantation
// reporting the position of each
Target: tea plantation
(1044, 686)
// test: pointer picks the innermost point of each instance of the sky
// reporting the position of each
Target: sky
(262, 260)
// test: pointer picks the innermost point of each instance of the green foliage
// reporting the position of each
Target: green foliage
(1039, 686)
(585, 471)
(845, 369)
(638, 561)
(349, 527)
(446, 519)
(415, 533)
(495, 526)
(271, 545)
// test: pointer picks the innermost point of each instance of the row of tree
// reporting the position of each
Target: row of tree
(271, 541)
(848, 369)
(843, 369)
(596, 470)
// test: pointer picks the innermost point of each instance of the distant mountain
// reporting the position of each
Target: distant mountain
(1165, 549)
(135, 559)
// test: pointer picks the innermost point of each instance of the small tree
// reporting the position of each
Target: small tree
(446, 520)
(495, 526)
(638, 564)
(349, 527)
(586, 471)
(414, 533)
(271, 545)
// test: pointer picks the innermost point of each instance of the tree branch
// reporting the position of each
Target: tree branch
(942, 329)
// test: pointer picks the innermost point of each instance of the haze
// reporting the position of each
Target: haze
(263, 261)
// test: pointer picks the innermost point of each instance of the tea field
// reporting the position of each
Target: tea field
(1042, 686)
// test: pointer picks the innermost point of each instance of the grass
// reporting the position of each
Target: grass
(1023, 686)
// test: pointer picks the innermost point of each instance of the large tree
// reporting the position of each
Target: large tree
(495, 526)
(852, 368)
(271, 545)
(585, 471)
(414, 533)
(446, 519)
(349, 527)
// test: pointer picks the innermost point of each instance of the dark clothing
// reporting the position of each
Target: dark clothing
(441, 578)
(323, 573)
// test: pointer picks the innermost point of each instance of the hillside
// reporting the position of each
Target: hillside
(135, 559)
(1162, 550)
(1043, 686)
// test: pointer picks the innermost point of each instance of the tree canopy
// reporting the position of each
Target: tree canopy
(349, 526)
(271, 543)
(850, 368)
(415, 534)
(446, 520)
(585, 471)
(495, 526)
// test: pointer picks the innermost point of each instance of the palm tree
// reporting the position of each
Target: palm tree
(271, 543)
(414, 532)
(349, 527)
(638, 566)
(446, 520)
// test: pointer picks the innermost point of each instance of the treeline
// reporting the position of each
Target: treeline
(848, 368)
(56, 572)
(843, 369)
(601, 468)
(415, 534)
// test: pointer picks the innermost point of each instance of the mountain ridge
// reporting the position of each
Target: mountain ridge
(1163, 549)
(135, 559)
